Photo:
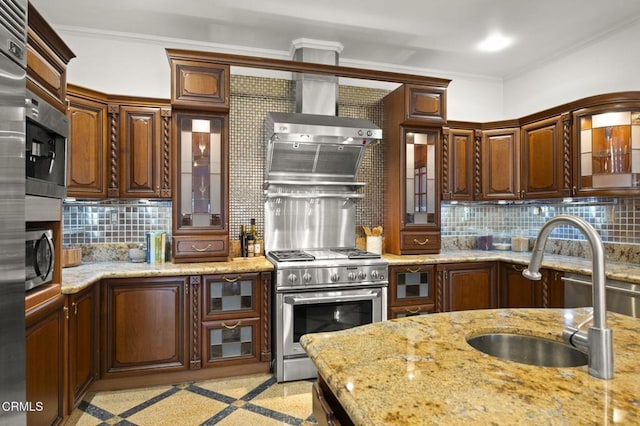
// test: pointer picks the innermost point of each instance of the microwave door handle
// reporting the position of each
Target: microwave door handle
(52, 156)
(312, 300)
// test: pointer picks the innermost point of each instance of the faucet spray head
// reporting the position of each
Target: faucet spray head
(532, 275)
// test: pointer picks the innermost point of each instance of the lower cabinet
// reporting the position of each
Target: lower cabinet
(466, 286)
(516, 291)
(82, 332)
(44, 362)
(411, 290)
(144, 325)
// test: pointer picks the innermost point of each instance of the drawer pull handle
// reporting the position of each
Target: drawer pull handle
(231, 327)
(412, 311)
(232, 280)
(426, 240)
(193, 246)
(517, 268)
(413, 271)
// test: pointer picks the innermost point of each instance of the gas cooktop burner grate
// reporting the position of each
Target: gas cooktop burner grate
(291, 255)
(354, 253)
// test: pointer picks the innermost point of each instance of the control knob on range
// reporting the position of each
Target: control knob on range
(351, 276)
(362, 275)
(292, 277)
(334, 277)
(306, 277)
(377, 275)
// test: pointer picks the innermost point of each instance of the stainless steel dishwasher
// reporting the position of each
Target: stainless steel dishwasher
(622, 297)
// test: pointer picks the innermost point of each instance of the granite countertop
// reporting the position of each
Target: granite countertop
(420, 370)
(79, 277)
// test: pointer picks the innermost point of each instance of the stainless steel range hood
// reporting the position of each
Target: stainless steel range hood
(313, 143)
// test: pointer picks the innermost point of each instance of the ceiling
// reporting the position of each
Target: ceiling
(440, 35)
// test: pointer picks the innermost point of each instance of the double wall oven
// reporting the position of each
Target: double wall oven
(322, 282)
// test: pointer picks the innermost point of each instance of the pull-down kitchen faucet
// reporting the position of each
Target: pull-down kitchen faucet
(597, 341)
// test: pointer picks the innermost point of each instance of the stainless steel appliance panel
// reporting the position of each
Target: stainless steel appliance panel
(301, 223)
(621, 297)
(298, 313)
(12, 178)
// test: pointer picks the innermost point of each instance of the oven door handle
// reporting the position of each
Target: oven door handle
(304, 300)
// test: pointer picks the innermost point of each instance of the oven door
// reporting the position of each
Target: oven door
(320, 311)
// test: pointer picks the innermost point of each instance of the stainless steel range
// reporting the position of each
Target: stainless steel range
(322, 282)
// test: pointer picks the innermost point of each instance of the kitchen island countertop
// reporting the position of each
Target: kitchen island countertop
(421, 370)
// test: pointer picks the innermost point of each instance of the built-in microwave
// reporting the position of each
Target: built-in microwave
(39, 257)
(47, 129)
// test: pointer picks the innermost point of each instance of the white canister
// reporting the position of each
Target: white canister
(374, 244)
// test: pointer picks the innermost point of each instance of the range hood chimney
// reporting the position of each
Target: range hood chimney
(316, 93)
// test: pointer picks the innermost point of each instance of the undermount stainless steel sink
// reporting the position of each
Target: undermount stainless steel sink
(529, 350)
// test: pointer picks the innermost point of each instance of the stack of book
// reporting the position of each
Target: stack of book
(156, 243)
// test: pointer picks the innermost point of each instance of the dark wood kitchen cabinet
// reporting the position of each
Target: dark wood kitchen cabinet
(516, 291)
(47, 60)
(412, 179)
(411, 290)
(87, 145)
(144, 168)
(500, 172)
(199, 85)
(236, 319)
(44, 345)
(143, 326)
(201, 187)
(82, 329)
(466, 286)
(118, 147)
(459, 151)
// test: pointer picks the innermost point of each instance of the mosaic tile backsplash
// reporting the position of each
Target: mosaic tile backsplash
(105, 229)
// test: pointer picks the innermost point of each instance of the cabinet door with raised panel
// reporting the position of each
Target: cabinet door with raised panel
(516, 291)
(545, 172)
(143, 325)
(468, 286)
(83, 343)
(87, 149)
(500, 164)
(140, 151)
(458, 164)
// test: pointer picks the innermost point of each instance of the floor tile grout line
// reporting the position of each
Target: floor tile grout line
(272, 414)
(95, 411)
(210, 394)
(221, 415)
(133, 410)
(259, 389)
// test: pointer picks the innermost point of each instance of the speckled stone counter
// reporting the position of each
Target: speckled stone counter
(614, 270)
(77, 278)
(420, 370)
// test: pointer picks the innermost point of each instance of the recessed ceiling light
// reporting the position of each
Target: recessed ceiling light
(494, 43)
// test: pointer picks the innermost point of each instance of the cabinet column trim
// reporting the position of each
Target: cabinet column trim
(265, 354)
(566, 154)
(165, 189)
(446, 192)
(194, 293)
(113, 111)
(477, 164)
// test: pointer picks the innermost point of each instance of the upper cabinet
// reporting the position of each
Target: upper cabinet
(199, 85)
(500, 173)
(607, 158)
(201, 196)
(458, 163)
(412, 172)
(47, 59)
(118, 147)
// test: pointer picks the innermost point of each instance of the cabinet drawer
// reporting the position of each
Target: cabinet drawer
(420, 242)
(233, 341)
(231, 296)
(203, 249)
(408, 311)
(412, 285)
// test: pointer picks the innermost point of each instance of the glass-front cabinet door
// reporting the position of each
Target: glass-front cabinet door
(201, 196)
(421, 205)
(608, 160)
(231, 296)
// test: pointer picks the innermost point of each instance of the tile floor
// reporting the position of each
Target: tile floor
(248, 400)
